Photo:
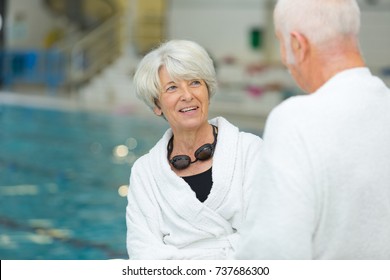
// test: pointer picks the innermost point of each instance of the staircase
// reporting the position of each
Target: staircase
(112, 89)
(91, 41)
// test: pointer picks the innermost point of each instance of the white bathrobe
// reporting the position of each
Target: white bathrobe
(164, 218)
(325, 188)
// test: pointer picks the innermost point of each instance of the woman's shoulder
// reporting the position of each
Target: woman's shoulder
(141, 161)
(154, 152)
(250, 140)
(140, 166)
(250, 137)
(244, 136)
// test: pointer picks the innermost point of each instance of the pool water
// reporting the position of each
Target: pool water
(60, 181)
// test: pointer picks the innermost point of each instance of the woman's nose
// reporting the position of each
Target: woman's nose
(186, 94)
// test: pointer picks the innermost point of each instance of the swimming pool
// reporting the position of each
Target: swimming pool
(62, 181)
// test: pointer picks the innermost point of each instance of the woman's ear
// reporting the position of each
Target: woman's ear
(299, 46)
(157, 109)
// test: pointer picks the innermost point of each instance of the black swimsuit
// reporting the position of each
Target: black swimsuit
(201, 184)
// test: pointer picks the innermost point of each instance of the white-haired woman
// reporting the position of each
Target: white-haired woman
(188, 196)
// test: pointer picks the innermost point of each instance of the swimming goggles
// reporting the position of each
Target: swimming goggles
(205, 152)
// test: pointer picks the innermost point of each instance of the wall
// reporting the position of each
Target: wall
(375, 36)
(28, 22)
(148, 19)
(221, 26)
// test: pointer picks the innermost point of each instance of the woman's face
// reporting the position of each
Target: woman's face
(184, 103)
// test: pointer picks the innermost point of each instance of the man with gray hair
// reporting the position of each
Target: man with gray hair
(325, 191)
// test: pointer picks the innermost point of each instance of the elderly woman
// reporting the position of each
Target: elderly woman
(189, 195)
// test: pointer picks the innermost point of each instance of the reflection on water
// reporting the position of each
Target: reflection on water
(63, 181)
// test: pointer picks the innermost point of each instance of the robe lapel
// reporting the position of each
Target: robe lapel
(224, 162)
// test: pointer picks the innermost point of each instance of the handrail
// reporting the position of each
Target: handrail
(70, 63)
(94, 51)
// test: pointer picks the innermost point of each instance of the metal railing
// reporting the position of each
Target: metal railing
(69, 64)
(93, 52)
(32, 66)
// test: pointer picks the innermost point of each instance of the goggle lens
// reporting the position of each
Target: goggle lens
(204, 152)
(181, 162)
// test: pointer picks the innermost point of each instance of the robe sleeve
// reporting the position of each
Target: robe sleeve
(144, 238)
(254, 153)
(252, 148)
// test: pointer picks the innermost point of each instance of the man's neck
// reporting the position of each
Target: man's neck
(335, 60)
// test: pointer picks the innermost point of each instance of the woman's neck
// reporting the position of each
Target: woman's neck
(188, 141)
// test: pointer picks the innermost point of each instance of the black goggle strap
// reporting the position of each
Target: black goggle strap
(215, 133)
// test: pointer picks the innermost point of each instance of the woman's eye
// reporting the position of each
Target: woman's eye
(171, 88)
(196, 83)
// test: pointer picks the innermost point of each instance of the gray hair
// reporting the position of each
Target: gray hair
(318, 20)
(183, 59)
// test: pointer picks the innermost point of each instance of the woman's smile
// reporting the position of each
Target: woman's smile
(189, 110)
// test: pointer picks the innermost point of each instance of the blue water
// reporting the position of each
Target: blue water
(59, 181)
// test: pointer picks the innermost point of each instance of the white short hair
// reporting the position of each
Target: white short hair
(183, 59)
(318, 20)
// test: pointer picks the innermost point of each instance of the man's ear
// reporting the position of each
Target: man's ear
(299, 46)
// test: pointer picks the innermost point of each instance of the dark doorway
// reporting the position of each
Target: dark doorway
(2, 36)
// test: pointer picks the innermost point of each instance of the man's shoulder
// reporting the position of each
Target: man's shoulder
(297, 110)
(296, 105)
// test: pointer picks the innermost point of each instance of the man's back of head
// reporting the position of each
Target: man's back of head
(319, 38)
(319, 20)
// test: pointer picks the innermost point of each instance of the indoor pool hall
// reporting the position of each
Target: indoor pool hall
(63, 181)
(194, 130)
